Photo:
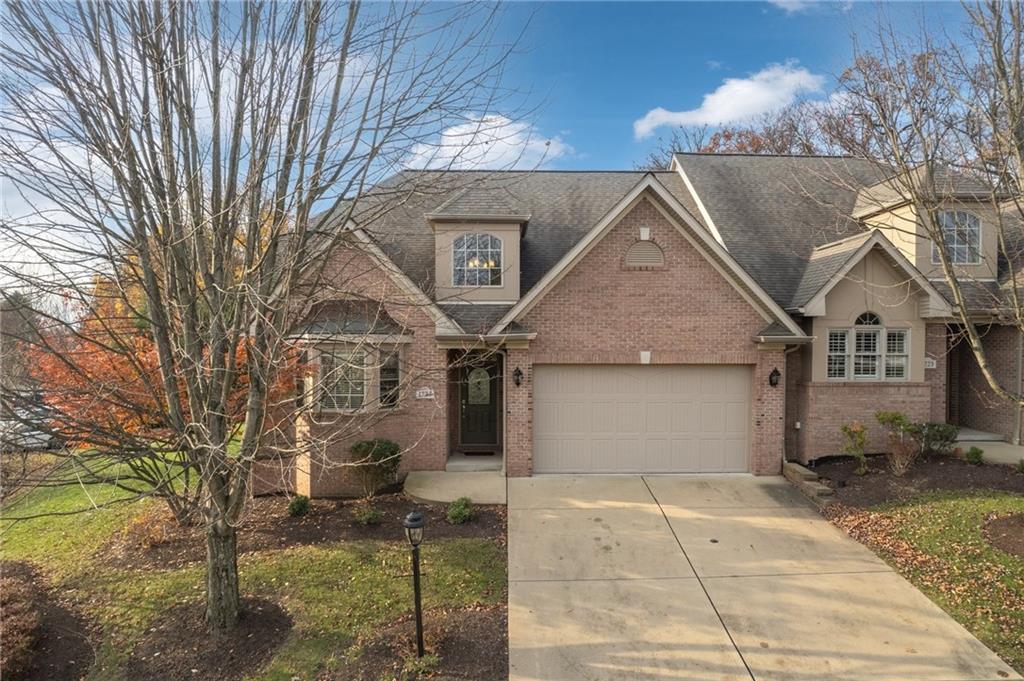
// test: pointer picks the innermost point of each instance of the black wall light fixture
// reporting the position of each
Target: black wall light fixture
(773, 377)
(517, 376)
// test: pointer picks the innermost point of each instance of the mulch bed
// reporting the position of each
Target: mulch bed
(44, 638)
(268, 526)
(180, 645)
(469, 643)
(928, 474)
(1007, 533)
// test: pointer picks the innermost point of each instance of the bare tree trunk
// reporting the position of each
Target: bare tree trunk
(222, 599)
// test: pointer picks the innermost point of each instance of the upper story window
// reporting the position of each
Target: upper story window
(476, 260)
(867, 351)
(961, 232)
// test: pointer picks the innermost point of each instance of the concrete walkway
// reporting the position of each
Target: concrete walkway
(995, 452)
(724, 577)
(486, 487)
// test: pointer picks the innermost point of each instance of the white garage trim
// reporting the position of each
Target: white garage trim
(661, 418)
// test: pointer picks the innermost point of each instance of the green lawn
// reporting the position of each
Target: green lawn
(936, 541)
(333, 592)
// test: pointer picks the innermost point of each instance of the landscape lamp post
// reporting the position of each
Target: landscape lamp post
(413, 525)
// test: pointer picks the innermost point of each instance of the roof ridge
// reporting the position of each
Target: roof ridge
(839, 242)
(756, 155)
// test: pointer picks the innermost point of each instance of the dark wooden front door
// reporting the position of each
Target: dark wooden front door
(478, 406)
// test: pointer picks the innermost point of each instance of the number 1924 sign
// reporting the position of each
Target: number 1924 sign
(424, 393)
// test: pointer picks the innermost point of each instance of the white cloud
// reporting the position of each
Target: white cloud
(488, 142)
(739, 99)
(791, 6)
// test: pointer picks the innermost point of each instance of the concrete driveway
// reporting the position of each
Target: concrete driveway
(722, 577)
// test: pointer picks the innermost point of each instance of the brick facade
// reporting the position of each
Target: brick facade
(419, 426)
(683, 313)
(979, 407)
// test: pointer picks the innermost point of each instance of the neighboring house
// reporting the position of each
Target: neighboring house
(716, 317)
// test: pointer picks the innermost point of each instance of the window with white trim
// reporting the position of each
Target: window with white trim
(867, 352)
(961, 232)
(389, 380)
(342, 378)
(476, 260)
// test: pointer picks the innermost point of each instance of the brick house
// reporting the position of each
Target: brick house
(716, 317)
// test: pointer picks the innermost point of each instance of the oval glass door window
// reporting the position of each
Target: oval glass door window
(479, 388)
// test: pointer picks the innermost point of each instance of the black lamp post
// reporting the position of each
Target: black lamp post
(413, 525)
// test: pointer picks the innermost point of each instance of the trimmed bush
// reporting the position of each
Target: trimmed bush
(855, 438)
(460, 511)
(975, 456)
(1020, 466)
(376, 463)
(368, 515)
(903, 443)
(298, 506)
(936, 438)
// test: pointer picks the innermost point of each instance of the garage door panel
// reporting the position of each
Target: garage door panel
(657, 418)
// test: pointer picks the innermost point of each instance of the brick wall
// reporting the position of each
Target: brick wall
(979, 407)
(825, 407)
(686, 312)
(936, 346)
(419, 426)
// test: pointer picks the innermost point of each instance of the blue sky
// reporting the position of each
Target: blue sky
(597, 68)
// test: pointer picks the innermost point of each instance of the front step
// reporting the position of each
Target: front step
(460, 463)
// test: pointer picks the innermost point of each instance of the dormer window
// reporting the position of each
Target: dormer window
(961, 232)
(476, 260)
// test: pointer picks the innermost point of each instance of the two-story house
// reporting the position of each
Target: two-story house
(715, 317)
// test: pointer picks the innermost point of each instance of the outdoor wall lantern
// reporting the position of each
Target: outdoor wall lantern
(517, 376)
(413, 525)
(773, 377)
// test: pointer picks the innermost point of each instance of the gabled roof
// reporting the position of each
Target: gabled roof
(851, 252)
(651, 186)
(823, 264)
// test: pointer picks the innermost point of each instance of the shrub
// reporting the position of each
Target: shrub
(1020, 466)
(368, 515)
(855, 438)
(936, 438)
(298, 506)
(460, 511)
(903, 445)
(20, 622)
(376, 462)
(975, 456)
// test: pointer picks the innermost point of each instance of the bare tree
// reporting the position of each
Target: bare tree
(943, 121)
(789, 131)
(171, 157)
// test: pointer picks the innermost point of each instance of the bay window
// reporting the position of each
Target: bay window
(867, 352)
(355, 377)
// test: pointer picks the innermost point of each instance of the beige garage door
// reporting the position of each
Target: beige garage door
(641, 419)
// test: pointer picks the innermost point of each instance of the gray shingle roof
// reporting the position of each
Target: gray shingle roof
(475, 318)
(823, 264)
(353, 317)
(563, 207)
(772, 211)
(481, 200)
(894, 190)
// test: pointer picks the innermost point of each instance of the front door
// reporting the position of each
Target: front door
(478, 407)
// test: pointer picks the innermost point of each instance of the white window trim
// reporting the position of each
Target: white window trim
(981, 236)
(850, 354)
(501, 268)
(371, 378)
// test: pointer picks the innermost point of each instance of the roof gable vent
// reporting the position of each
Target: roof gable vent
(644, 255)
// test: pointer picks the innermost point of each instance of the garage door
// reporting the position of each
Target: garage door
(641, 419)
